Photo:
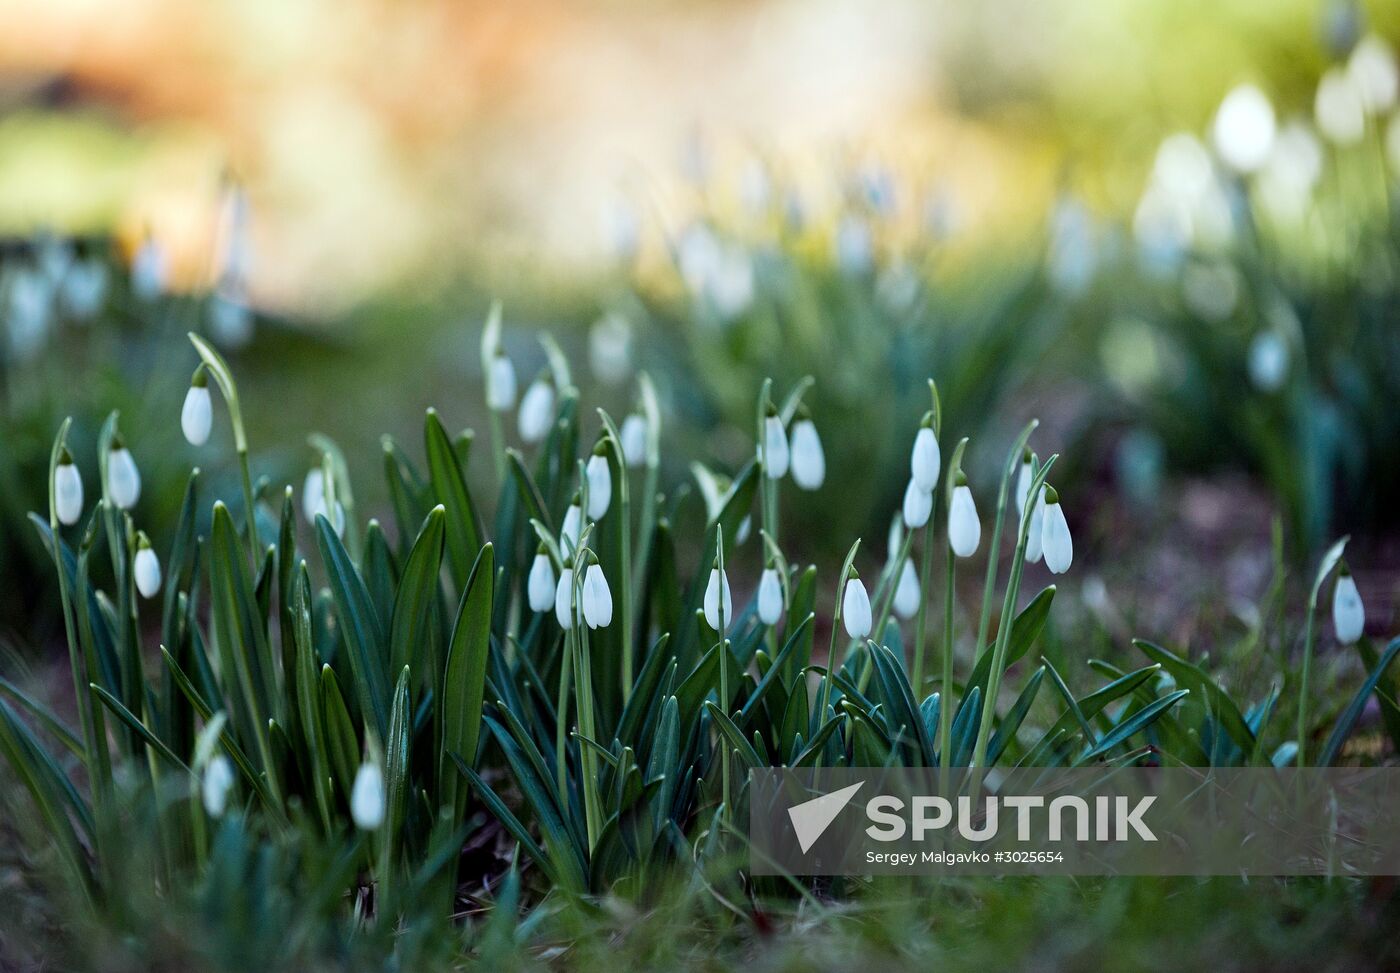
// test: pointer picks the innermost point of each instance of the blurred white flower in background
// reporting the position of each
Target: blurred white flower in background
(610, 348)
(28, 306)
(1286, 183)
(230, 319)
(698, 256)
(149, 269)
(53, 256)
(1338, 108)
(1372, 71)
(84, 289)
(855, 251)
(1183, 207)
(621, 227)
(1244, 128)
(730, 289)
(1268, 360)
(1211, 290)
(1073, 256)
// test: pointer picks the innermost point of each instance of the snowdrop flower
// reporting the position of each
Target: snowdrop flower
(610, 348)
(1268, 360)
(27, 316)
(573, 527)
(918, 505)
(854, 248)
(197, 417)
(855, 608)
(123, 479)
(634, 439)
(1244, 128)
(84, 289)
(313, 493)
(599, 482)
(67, 489)
(1373, 73)
(536, 410)
(1340, 112)
(1024, 477)
(148, 269)
(564, 599)
(230, 320)
(1348, 614)
(1055, 542)
(216, 784)
(597, 599)
(730, 288)
(146, 567)
(1035, 530)
(808, 460)
(964, 529)
(906, 593)
(745, 529)
(500, 383)
(774, 449)
(770, 597)
(367, 797)
(925, 460)
(540, 585)
(718, 600)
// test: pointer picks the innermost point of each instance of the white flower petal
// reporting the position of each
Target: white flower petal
(367, 798)
(925, 460)
(634, 439)
(719, 583)
(1024, 478)
(123, 479)
(197, 417)
(775, 448)
(216, 784)
(68, 493)
(500, 384)
(146, 568)
(540, 584)
(564, 599)
(1056, 542)
(536, 411)
(770, 597)
(808, 460)
(964, 528)
(599, 486)
(855, 609)
(597, 599)
(907, 595)
(1348, 613)
(918, 505)
(1035, 530)
(572, 530)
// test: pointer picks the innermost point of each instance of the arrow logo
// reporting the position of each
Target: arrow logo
(810, 819)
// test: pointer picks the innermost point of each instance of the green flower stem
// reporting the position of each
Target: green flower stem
(1329, 561)
(945, 686)
(920, 626)
(498, 447)
(223, 377)
(561, 727)
(1003, 493)
(724, 696)
(583, 690)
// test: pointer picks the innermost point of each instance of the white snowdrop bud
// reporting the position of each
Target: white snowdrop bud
(572, 529)
(146, 567)
(925, 460)
(1348, 613)
(197, 417)
(1373, 72)
(67, 489)
(1024, 478)
(367, 797)
(599, 482)
(855, 608)
(1056, 543)
(540, 584)
(123, 478)
(536, 410)
(906, 594)
(634, 439)
(148, 269)
(808, 460)
(597, 599)
(564, 599)
(770, 597)
(1035, 530)
(774, 449)
(500, 383)
(918, 505)
(718, 600)
(216, 784)
(964, 528)
(313, 493)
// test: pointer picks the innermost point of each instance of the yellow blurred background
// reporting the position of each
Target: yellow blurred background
(386, 145)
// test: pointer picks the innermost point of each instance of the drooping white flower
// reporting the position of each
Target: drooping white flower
(855, 608)
(1339, 109)
(148, 269)
(1024, 478)
(146, 567)
(216, 784)
(718, 600)
(536, 410)
(745, 529)
(197, 416)
(500, 383)
(230, 317)
(610, 348)
(1372, 70)
(1035, 530)
(770, 597)
(123, 478)
(634, 439)
(925, 460)
(918, 505)
(540, 584)
(1244, 128)
(313, 493)
(367, 797)
(564, 599)
(808, 460)
(1056, 542)
(599, 483)
(774, 449)
(572, 529)
(84, 289)
(964, 527)
(597, 599)
(906, 593)
(1348, 613)
(67, 489)
(1268, 360)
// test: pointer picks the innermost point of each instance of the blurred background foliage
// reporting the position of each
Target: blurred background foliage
(1055, 209)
